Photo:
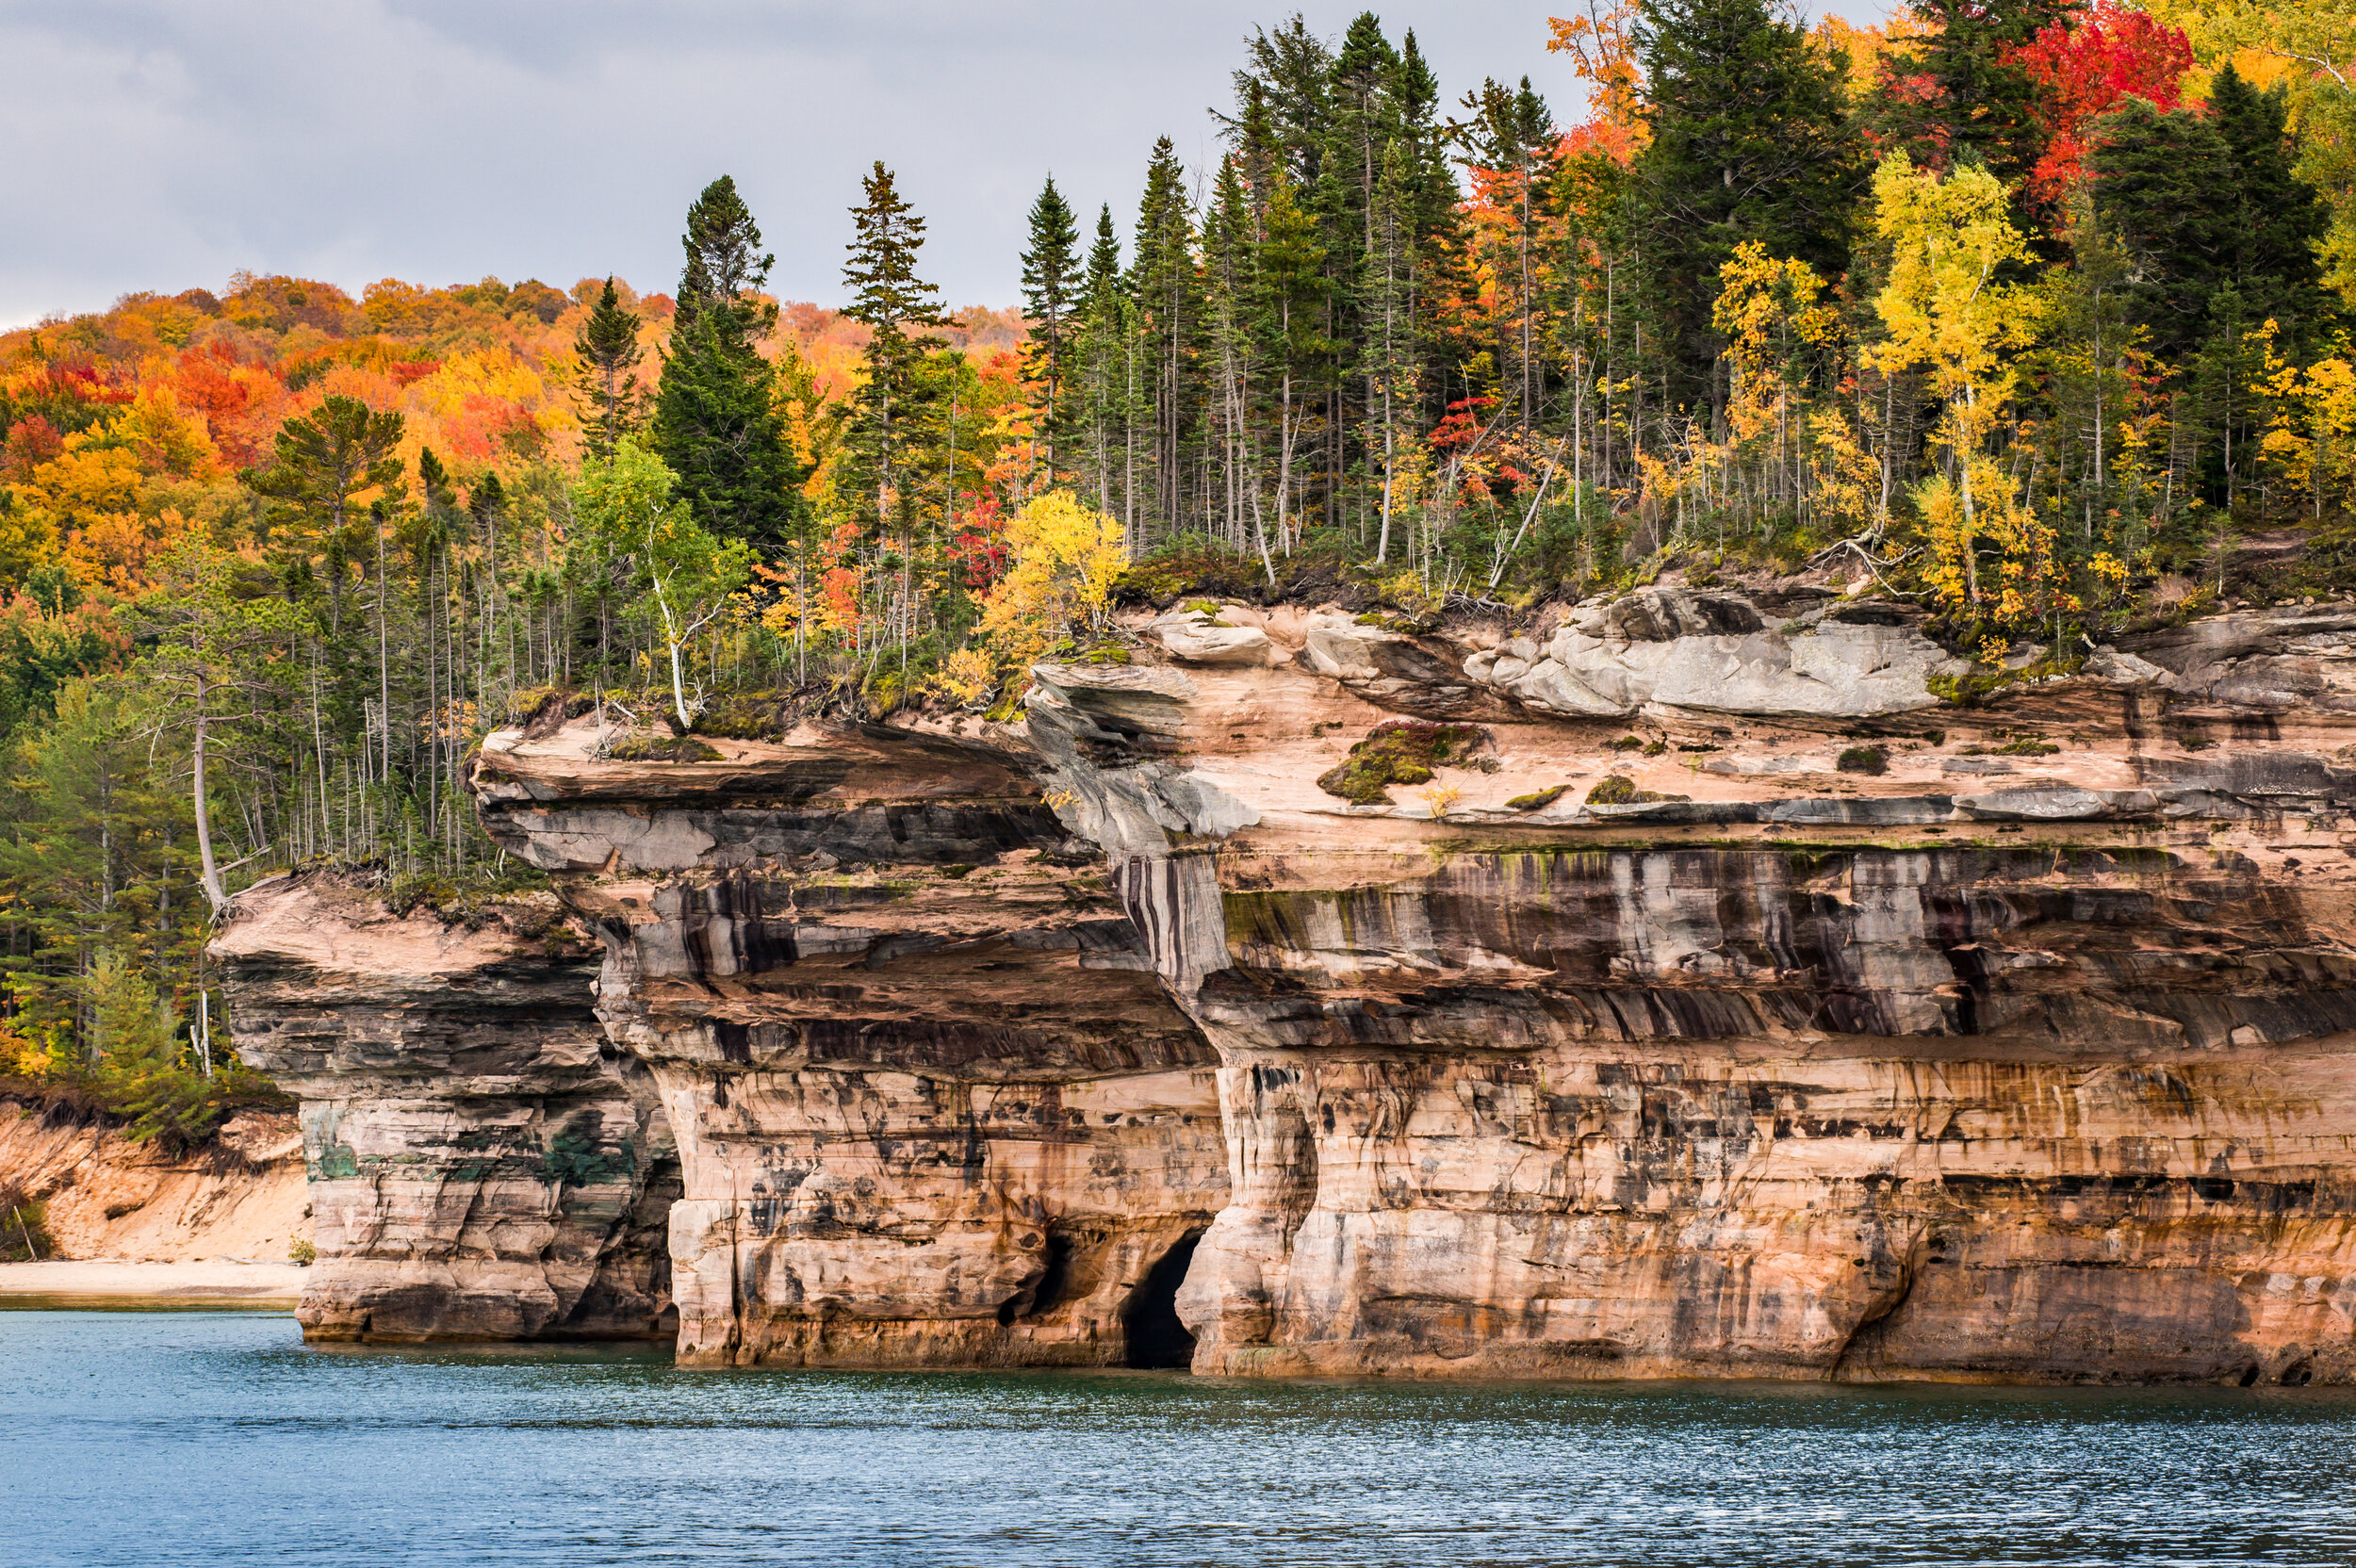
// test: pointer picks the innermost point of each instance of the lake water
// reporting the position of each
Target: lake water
(152, 1439)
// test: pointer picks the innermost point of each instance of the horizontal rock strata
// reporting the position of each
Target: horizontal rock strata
(1874, 1035)
(483, 1164)
(934, 1105)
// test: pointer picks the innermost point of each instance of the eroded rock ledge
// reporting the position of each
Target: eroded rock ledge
(2032, 1056)
(481, 1164)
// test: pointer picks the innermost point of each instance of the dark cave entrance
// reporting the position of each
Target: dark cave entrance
(1155, 1336)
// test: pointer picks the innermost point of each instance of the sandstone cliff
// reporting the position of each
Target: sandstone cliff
(933, 1103)
(2026, 1057)
(481, 1164)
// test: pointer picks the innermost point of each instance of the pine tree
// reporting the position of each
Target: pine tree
(2279, 218)
(1751, 141)
(607, 349)
(1229, 238)
(1107, 392)
(1387, 294)
(2163, 187)
(716, 423)
(1051, 285)
(1289, 298)
(321, 466)
(891, 300)
(1168, 290)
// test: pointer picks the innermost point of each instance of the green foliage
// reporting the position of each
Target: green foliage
(1620, 789)
(1751, 143)
(757, 714)
(1961, 91)
(323, 463)
(1051, 296)
(892, 405)
(1401, 751)
(1864, 759)
(654, 747)
(608, 350)
(303, 1250)
(24, 1225)
(1537, 800)
(717, 425)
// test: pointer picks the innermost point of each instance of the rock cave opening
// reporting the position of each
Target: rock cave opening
(1045, 1292)
(1156, 1336)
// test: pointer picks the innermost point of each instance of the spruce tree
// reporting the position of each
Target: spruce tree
(2272, 260)
(891, 300)
(607, 349)
(1751, 141)
(1107, 393)
(1169, 300)
(2163, 187)
(1051, 286)
(716, 424)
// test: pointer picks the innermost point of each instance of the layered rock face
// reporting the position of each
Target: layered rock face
(1793, 1072)
(481, 1164)
(933, 1103)
(2031, 1056)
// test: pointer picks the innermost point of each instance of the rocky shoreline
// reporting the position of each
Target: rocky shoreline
(2020, 1052)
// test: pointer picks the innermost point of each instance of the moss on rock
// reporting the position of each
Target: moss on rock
(1402, 751)
(1538, 800)
(1620, 789)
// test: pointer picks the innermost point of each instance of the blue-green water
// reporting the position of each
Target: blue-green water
(155, 1439)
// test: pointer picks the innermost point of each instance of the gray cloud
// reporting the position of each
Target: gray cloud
(160, 145)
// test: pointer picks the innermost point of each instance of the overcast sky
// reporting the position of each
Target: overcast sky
(160, 145)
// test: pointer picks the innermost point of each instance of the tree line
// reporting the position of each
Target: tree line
(2024, 310)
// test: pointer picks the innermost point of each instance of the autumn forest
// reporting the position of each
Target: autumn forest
(2033, 312)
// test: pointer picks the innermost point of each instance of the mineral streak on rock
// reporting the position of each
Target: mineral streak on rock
(975, 1044)
(934, 1104)
(481, 1164)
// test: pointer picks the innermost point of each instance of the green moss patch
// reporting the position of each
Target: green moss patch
(1537, 800)
(746, 715)
(1402, 751)
(1620, 789)
(664, 748)
(1865, 760)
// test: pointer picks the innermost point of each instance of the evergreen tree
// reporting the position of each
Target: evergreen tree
(1290, 298)
(716, 423)
(322, 464)
(1051, 286)
(1107, 392)
(1751, 141)
(608, 350)
(1167, 291)
(2279, 220)
(1390, 358)
(887, 296)
(2162, 188)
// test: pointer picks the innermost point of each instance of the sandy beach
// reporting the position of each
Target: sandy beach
(109, 1282)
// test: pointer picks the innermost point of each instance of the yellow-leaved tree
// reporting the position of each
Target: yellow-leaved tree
(1062, 558)
(1947, 315)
